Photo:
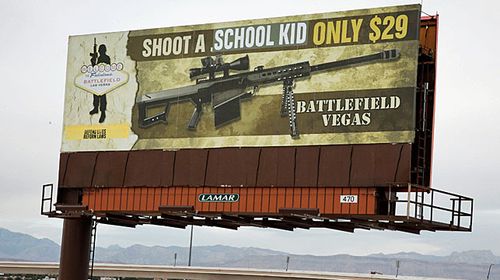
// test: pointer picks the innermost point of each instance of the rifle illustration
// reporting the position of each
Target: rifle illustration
(226, 91)
(93, 55)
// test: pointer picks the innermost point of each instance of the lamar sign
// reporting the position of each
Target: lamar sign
(217, 197)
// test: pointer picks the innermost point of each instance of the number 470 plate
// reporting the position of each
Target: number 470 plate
(348, 199)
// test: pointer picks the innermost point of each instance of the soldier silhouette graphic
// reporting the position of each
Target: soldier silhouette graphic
(99, 102)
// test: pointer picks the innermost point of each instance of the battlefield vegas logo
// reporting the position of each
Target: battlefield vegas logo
(100, 77)
(218, 197)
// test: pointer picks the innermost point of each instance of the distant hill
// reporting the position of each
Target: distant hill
(19, 246)
(158, 255)
(460, 265)
(468, 257)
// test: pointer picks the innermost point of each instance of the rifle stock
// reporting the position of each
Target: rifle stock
(163, 98)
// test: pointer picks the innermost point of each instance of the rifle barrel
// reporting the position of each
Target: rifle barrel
(384, 55)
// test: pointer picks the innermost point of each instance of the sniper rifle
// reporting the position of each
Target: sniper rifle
(226, 91)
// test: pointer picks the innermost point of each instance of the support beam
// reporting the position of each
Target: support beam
(222, 224)
(297, 222)
(241, 221)
(276, 224)
(75, 245)
(118, 220)
(163, 222)
(186, 220)
(347, 227)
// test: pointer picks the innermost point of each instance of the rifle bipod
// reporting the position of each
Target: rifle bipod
(288, 107)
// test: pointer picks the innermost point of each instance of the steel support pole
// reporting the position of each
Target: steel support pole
(75, 244)
(190, 246)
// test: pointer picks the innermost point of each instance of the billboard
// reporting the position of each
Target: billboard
(322, 79)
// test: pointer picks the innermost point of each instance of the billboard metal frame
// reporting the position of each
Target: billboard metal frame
(417, 196)
(413, 212)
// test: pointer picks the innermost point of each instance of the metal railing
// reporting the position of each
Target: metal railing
(46, 207)
(432, 205)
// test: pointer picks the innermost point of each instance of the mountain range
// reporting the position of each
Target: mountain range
(458, 265)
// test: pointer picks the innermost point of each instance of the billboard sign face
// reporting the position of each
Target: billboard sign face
(322, 79)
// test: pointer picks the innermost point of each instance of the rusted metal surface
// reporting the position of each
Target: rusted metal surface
(63, 163)
(286, 166)
(306, 166)
(79, 170)
(362, 165)
(404, 165)
(143, 168)
(166, 169)
(387, 158)
(232, 166)
(375, 165)
(109, 169)
(190, 166)
(268, 167)
(328, 166)
(276, 167)
(334, 169)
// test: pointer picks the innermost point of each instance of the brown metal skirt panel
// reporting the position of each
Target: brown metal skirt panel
(63, 163)
(403, 172)
(386, 163)
(306, 166)
(110, 169)
(143, 168)
(375, 165)
(310, 166)
(334, 168)
(232, 166)
(190, 167)
(79, 170)
(252, 200)
(276, 167)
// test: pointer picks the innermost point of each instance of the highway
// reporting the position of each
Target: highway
(199, 273)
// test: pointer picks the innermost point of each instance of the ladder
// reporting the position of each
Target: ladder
(422, 141)
(93, 235)
(421, 160)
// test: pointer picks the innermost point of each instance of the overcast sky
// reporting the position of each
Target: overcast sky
(33, 52)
